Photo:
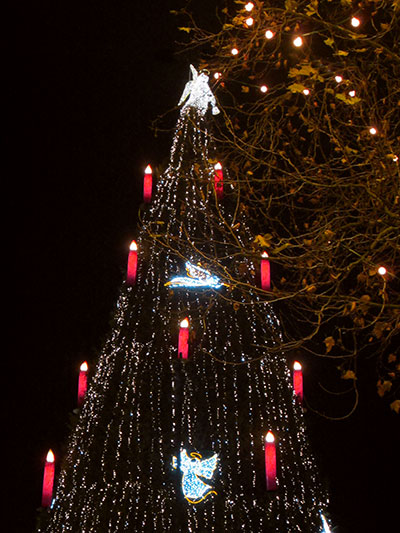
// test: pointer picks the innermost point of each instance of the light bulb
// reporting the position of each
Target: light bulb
(263, 88)
(217, 75)
(306, 91)
(234, 51)
(249, 21)
(50, 457)
(355, 22)
(269, 34)
(352, 93)
(298, 41)
(249, 6)
(133, 246)
(270, 437)
(395, 158)
(185, 323)
(373, 131)
(382, 270)
(338, 79)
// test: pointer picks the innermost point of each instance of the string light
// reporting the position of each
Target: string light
(217, 75)
(373, 131)
(306, 91)
(269, 34)
(263, 88)
(382, 270)
(298, 41)
(234, 51)
(355, 22)
(249, 6)
(338, 79)
(249, 21)
(352, 93)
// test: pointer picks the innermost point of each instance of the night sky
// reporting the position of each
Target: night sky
(86, 80)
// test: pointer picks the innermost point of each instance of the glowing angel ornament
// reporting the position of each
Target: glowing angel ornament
(197, 93)
(192, 468)
(196, 277)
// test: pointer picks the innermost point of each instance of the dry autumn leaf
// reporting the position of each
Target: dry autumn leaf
(329, 343)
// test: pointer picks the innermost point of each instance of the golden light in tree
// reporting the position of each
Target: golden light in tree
(355, 22)
(338, 79)
(249, 6)
(234, 51)
(382, 270)
(249, 21)
(263, 88)
(373, 131)
(298, 41)
(269, 34)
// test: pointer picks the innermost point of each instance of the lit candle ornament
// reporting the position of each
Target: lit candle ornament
(132, 265)
(147, 184)
(82, 382)
(298, 381)
(183, 341)
(219, 180)
(48, 480)
(265, 272)
(270, 461)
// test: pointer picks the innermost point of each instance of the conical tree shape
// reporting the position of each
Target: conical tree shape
(150, 417)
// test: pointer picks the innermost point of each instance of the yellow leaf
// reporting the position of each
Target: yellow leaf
(395, 406)
(349, 374)
(342, 53)
(392, 358)
(329, 41)
(329, 343)
(245, 89)
(296, 88)
(383, 387)
(187, 30)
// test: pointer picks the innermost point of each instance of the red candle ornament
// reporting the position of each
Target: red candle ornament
(132, 265)
(147, 184)
(48, 480)
(265, 272)
(82, 383)
(219, 181)
(270, 461)
(298, 381)
(183, 341)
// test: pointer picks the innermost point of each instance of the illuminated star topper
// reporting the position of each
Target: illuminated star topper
(197, 93)
(196, 277)
(192, 468)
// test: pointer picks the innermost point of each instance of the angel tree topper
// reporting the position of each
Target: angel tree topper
(192, 468)
(197, 93)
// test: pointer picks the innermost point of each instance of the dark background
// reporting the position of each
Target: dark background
(86, 79)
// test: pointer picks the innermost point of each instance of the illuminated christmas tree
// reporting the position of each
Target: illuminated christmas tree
(191, 422)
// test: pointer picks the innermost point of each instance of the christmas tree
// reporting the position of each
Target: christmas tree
(191, 422)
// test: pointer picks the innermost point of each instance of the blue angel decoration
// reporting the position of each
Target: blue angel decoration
(196, 277)
(192, 468)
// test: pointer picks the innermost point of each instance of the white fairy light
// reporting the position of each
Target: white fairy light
(263, 88)
(249, 6)
(249, 21)
(217, 75)
(269, 34)
(355, 22)
(373, 131)
(382, 270)
(298, 41)
(306, 91)
(338, 78)
(234, 51)
(352, 93)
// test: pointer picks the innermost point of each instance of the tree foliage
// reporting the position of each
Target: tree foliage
(314, 158)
